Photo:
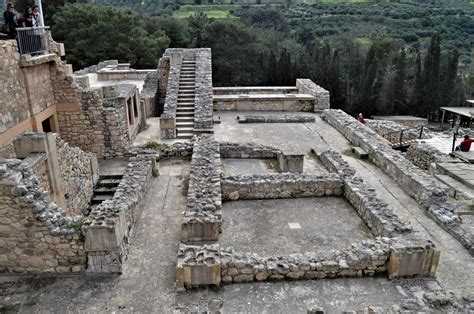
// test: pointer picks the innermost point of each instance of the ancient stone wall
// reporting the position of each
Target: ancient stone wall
(96, 67)
(40, 89)
(168, 117)
(247, 150)
(264, 102)
(106, 229)
(430, 193)
(306, 86)
(286, 118)
(203, 217)
(280, 185)
(149, 95)
(77, 175)
(36, 235)
(423, 155)
(391, 131)
(99, 125)
(255, 90)
(376, 214)
(203, 106)
(14, 108)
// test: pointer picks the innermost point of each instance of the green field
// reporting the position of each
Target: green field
(216, 11)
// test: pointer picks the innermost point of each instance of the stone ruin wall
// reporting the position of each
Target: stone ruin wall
(149, 95)
(306, 86)
(203, 109)
(36, 235)
(77, 175)
(391, 130)
(424, 155)
(93, 127)
(281, 185)
(392, 252)
(203, 216)
(106, 229)
(429, 192)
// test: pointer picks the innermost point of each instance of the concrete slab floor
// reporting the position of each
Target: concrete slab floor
(152, 132)
(263, 226)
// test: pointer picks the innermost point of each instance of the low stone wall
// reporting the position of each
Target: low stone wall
(281, 185)
(247, 150)
(77, 174)
(391, 131)
(366, 258)
(107, 227)
(211, 265)
(96, 67)
(36, 235)
(287, 118)
(430, 193)
(255, 90)
(203, 107)
(203, 217)
(178, 150)
(423, 155)
(306, 86)
(168, 117)
(265, 102)
(376, 214)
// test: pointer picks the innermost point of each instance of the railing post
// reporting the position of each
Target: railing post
(421, 132)
(401, 137)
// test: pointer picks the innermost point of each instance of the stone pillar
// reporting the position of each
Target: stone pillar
(291, 161)
(43, 143)
(198, 266)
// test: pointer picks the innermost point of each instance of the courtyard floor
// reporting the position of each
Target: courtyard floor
(147, 282)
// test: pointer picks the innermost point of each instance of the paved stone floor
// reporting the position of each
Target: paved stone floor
(250, 166)
(286, 226)
(146, 285)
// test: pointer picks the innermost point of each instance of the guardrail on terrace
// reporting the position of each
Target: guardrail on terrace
(33, 40)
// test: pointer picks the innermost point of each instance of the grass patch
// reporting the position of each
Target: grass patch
(151, 144)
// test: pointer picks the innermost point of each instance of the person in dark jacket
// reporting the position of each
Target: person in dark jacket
(11, 20)
(27, 19)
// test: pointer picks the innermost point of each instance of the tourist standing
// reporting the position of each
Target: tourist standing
(27, 19)
(11, 20)
(37, 21)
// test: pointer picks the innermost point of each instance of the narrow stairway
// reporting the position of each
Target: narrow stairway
(104, 189)
(185, 105)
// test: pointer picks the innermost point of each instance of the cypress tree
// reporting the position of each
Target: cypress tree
(271, 73)
(399, 84)
(449, 88)
(431, 77)
(417, 95)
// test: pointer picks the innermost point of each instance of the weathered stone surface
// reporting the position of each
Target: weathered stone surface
(280, 185)
(198, 265)
(306, 86)
(203, 218)
(287, 118)
(429, 192)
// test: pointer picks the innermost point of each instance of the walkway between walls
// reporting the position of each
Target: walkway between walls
(456, 266)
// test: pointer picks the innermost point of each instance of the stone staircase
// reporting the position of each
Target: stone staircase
(185, 106)
(105, 189)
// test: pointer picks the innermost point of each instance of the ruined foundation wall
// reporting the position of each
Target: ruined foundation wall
(203, 106)
(149, 95)
(391, 130)
(77, 175)
(430, 193)
(36, 235)
(423, 155)
(106, 229)
(247, 150)
(281, 185)
(203, 217)
(306, 86)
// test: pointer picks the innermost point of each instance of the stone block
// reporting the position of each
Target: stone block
(360, 153)
(103, 237)
(198, 266)
(412, 259)
(203, 230)
(291, 161)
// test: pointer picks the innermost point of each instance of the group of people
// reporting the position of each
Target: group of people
(14, 20)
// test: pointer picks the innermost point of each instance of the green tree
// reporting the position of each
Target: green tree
(90, 38)
(197, 24)
(431, 77)
(399, 83)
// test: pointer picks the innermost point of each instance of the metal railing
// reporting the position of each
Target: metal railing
(33, 40)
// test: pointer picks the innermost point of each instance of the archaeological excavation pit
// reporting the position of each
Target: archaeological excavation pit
(285, 226)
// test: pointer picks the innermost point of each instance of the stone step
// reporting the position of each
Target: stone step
(190, 94)
(186, 103)
(109, 182)
(185, 109)
(181, 125)
(188, 62)
(184, 119)
(105, 190)
(110, 176)
(185, 100)
(360, 153)
(186, 80)
(188, 71)
(187, 89)
(185, 136)
(97, 199)
(185, 113)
